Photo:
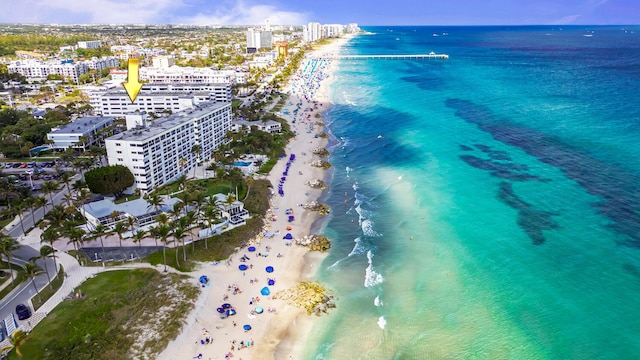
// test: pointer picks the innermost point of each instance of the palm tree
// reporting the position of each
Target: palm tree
(120, 229)
(31, 270)
(17, 210)
(249, 181)
(98, 232)
(131, 222)
(138, 236)
(49, 187)
(155, 201)
(30, 203)
(188, 221)
(50, 236)
(7, 246)
(40, 202)
(163, 231)
(195, 151)
(46, 251)
(76, 236)
(66, 179)
(210, 214)
(17, 340)
(179, 234)
(182, 162)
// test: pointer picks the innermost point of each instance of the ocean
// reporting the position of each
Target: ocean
(486, 206)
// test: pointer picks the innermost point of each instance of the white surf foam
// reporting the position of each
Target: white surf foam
(357, 248)
(377, 301)
(382, 322)
(371, 277)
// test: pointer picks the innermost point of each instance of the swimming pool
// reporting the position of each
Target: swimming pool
(242, 163)
(38, 149)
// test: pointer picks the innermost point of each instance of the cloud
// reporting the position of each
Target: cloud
(241, 13)
(197, 12)
(570, 19)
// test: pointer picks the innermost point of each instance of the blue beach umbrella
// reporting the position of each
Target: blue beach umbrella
(271, 282)
(231, 312)
(242, 267)
(269, 269)
(258, 310)
(251, 248)
(246, 327)
(265, 291)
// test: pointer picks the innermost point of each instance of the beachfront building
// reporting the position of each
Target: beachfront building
(233, 211)
(332, 30)
(187, 75)
(108, 213)
(311, 32)
(160, 151)
(79, 134)
(270, 126)
(158, 98)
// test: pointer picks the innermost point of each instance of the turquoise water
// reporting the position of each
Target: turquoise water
(242, 163)
(487, 206)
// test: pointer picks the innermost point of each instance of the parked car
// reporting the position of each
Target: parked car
(15, 165)
(23, 311)
(23, 165)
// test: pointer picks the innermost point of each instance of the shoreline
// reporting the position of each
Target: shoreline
(278, 331)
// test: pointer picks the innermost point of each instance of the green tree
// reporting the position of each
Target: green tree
(7, 246)
(46, 251)
(31, 271)
(113, 179)
(16, 340)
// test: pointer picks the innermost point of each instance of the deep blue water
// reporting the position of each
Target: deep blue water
(486, 206)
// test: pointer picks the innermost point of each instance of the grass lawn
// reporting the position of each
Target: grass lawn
(116, 306)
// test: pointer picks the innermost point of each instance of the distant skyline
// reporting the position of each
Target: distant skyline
(295, 12)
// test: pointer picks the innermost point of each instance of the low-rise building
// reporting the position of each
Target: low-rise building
(79, 134)
(271, 126)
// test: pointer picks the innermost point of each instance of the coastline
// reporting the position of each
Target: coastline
(278, 332)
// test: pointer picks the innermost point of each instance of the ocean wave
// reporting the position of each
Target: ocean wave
(377, 301)
(355, 186)
(382, 322)
(348, 170)
(358, 248)
(371, 277)
(367, 228)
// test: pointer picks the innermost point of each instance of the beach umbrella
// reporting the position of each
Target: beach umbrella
(288, 227)
(246, 327)
(226, 306)
(288, 236)
(269, 269)
(258, 310)
(231, 312)
(242, 267)
(220, 310)
(265, 291)
(251, 248)
(271, 282)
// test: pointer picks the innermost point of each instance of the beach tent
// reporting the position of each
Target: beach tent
(258, 310)
(242, 267)
(265, 291)
(251, 248)
(269, 269)
(288, 236)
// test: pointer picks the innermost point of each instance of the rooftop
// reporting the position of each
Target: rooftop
(84, 124)
(163, 124)
(136, 207)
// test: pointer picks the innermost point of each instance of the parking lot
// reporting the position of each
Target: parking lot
(33, 174)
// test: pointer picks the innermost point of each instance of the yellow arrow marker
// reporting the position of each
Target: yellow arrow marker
(132, 85)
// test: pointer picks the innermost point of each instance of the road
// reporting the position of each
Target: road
(25, 291)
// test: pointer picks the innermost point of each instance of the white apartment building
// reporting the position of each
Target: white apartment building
(312, 32)
(160, 151)
(79, 134)
(163, 61)
(89, 44)
(157, 98)
(35, 69)
(106, 62)
(332, 30)
(258, 39)
(187, 75)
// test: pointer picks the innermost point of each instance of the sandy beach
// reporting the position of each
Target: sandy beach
(277, 328)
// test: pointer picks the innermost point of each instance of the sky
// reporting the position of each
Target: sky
(298, 12)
